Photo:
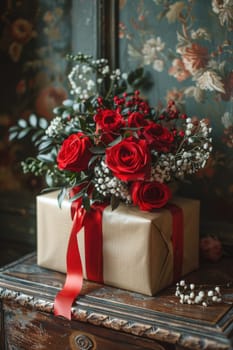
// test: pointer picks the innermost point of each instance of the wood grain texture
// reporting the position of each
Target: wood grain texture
(29, 329)
(158, 320)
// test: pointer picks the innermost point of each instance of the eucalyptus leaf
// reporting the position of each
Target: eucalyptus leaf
(33, 120)
(13, 135)
(41, 140)
(44, 137)
(23, 133)
(49, 179)
(47, 158)
(45, 145)
(43, 123)
(14, 128)
(37, 135)
(61, 195)
(22, 123)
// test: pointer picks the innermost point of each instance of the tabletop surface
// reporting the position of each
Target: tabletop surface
(158, 317)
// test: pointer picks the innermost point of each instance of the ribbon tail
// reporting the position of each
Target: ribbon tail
(74, 278)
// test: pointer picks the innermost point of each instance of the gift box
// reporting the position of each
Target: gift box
(140, 252)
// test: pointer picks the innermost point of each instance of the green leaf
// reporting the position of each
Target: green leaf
(136, 74)
(49, 179)
(82, 108)
(78, 195)
(47, 158)
(97, 150)
(45, 145)
(13, 135)
(116, 141)
(14, 128)
(114, 202)
(92, 160)
(86, 202)
(61, 195)
(43, 123)
(23, 133)
(42, 139)
(49, 189)
(33, 120)
(138, 82)
(82, 123)
(81, 182)
(22, 123)
(37, 135)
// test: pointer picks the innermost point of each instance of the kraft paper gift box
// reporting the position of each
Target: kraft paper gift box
(137, 245)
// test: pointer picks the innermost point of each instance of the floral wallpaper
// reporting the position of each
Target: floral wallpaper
(186, 50)
(34, 40)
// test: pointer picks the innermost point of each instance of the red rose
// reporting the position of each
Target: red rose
(109, 120)
(129, 159)
(160, 138)
(150, 195)
(108, 125)
(136, 119)
(74, 153)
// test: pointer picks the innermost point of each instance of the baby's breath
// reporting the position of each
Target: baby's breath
(103, 109)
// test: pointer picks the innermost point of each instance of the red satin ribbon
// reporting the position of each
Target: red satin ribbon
(94, 243)
(74, 277)
(92, 222)
(177, 239)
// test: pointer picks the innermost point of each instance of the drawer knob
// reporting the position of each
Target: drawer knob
(83, 342)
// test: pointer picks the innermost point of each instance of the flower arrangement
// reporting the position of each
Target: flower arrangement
(110, 145)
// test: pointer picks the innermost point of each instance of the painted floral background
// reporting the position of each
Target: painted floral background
(186, 50)
(34, 40)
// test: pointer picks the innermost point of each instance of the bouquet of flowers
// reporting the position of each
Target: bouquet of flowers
(110, 145)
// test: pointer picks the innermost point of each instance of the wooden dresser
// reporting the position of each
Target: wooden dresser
(106, 318)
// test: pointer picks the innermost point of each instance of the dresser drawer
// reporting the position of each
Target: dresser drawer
(26, 329)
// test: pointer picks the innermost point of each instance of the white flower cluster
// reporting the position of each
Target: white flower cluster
(190, 294)
(117, 75)
(55, 128)
(86, 85)
(82, 77)
(85, 77)
(107, 184)
(58, 123)
(189, 158)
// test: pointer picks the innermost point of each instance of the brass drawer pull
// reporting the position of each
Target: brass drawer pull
(82, 341)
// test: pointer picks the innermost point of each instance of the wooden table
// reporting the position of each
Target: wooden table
(106, 318)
